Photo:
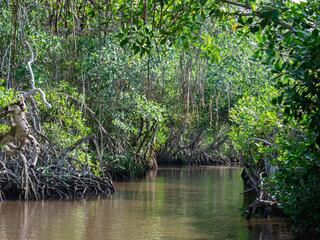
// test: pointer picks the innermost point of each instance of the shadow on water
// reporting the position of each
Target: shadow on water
(174, 203)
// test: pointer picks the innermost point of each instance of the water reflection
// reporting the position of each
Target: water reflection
(177, 203)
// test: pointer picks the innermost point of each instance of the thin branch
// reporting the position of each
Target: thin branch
(42, 94)
(77, 143)
(32, 82)
(258, 14)
(89, 110)
(5, 55)
(247, 6)
(29, 65)
(259, 140)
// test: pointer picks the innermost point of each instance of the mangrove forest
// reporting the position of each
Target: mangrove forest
(159, 119)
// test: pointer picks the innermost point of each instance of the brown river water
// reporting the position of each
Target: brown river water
(174, 203)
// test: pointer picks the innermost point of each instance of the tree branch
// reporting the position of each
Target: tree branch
(259, 140)
(257, 13)
(32, 82)
(77, 143)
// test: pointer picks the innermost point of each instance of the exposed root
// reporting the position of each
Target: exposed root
(54, 176)
(195, 150)
(19, 181)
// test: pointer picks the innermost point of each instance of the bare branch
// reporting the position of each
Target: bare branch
(29, 65)
(32, 81)
(259, 140)
(42, 94)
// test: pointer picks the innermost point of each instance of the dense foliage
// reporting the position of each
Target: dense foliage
(176, 81)
(288, 38)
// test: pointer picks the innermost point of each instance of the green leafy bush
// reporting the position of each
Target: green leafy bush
(296, 182)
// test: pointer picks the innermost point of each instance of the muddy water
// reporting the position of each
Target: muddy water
(177, 203)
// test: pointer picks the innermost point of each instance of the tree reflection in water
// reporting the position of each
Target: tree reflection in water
(174, 203)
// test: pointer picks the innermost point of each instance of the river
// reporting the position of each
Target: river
(176, 203)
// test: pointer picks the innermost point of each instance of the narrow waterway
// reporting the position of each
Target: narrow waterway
(176, 203)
